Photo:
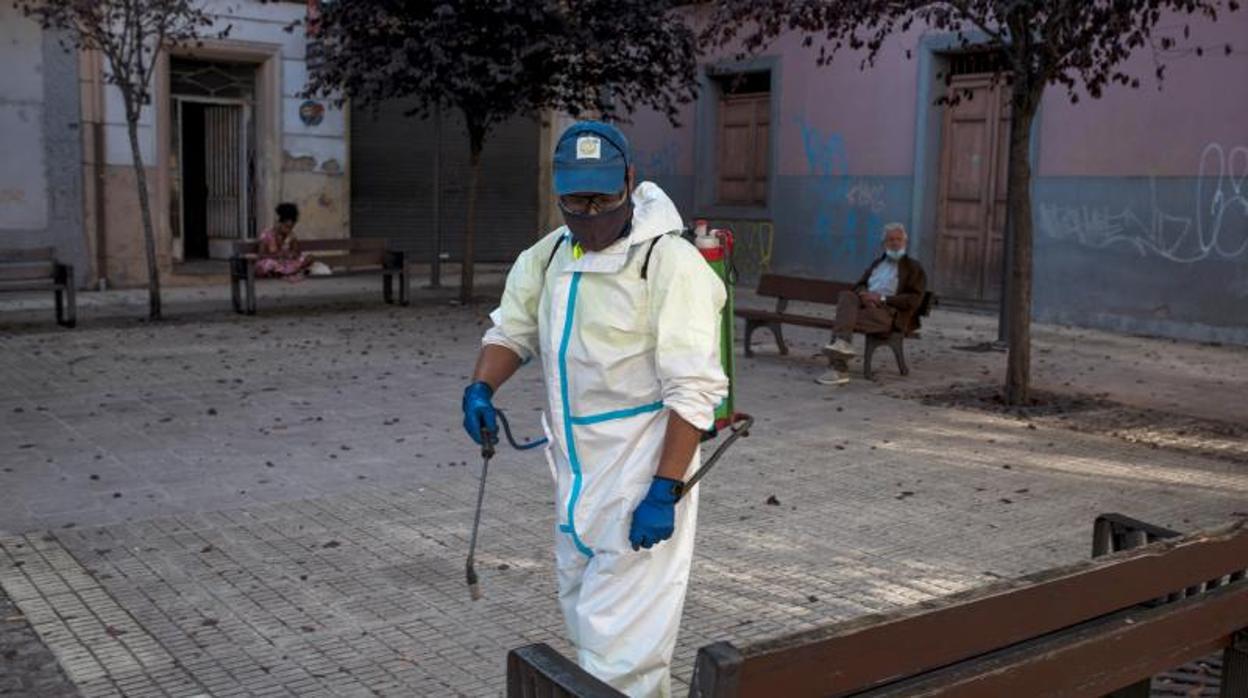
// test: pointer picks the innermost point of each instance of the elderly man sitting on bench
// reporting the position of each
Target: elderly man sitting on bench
(884, 300)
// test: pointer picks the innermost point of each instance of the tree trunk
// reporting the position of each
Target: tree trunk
(470, 229)
(145, 209)
(1018, 309)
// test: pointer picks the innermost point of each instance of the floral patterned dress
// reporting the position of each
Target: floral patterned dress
(286, 263)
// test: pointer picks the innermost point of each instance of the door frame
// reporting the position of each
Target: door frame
(244, 181)
(993, 119)
(934, 52)
(267, 118)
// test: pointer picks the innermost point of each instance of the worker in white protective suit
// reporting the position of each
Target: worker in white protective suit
(625, 320)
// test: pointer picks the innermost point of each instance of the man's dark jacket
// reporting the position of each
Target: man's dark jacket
(911, 283)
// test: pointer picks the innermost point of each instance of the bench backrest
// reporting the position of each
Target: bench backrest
(1085, 629)
(339, 254)
(1082, 611)
(244, 247)
(29, 264)
(796, 288)
(29, 254)
(539, 671)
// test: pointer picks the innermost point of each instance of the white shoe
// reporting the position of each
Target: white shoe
(832, 377)
(841, 348)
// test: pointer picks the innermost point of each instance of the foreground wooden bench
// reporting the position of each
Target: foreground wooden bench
(1096, 628)
(345, 257)
(792, 288)
(37, 269)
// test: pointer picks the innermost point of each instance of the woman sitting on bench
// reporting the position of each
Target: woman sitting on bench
(279, 249)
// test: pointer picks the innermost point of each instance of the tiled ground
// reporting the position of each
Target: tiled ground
(280, 505)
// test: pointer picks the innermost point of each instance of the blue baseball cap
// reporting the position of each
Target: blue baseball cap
(592, 157)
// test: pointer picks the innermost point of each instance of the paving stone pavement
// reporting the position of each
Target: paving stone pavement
(27, 667)
(280, 504)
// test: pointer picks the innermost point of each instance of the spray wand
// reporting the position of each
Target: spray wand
(488, 439)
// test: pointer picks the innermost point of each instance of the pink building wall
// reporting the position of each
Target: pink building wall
(1140, 197)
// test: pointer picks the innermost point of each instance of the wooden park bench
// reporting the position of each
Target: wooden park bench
(1096, 628)
(344, 257)
(36, 269)
(792, 288)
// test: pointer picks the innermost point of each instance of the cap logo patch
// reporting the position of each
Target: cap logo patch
(588, 148)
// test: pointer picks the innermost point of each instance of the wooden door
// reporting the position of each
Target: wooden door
(971, 211)
(744, 123)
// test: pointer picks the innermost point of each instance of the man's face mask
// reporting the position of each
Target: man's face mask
(597, 221)
(895, 254)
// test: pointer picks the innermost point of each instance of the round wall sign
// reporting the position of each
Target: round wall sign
(312, 112)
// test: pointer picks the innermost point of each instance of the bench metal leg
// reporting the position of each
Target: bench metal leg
(251, 288)
(750, 326)
(403, 300)
(872, 343)
(236, 293)
(778, 330)
(1235, 667)
(387, 288)
(71, 301)
(897, 343)
(64, 295)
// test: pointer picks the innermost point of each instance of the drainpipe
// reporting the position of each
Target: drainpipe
(435, 271)
(101, 224)
(95, 104)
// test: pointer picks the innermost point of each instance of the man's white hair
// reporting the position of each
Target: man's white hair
(890, 227)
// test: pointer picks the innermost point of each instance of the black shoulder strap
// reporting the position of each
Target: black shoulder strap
(553, 250)
(645, 266)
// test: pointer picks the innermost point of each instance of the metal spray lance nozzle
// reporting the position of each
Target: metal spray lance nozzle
(487, 452)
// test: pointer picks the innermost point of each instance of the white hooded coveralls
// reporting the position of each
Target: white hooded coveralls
(619, 354)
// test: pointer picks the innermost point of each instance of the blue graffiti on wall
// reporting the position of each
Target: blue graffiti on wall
(847, 209)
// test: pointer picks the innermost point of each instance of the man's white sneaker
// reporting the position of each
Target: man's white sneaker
(840, 348)
(832, 377)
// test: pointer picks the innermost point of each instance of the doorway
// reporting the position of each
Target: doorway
(214, 148)
(971, 205)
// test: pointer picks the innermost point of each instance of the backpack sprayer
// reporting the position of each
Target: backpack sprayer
(716, 246)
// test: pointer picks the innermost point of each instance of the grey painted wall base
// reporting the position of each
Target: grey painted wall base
(1157, 256)
(1146, 327)
(1166, 256)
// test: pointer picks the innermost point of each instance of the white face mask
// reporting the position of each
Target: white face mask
(895, 254)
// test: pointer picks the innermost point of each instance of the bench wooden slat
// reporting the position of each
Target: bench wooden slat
(349, 244)
(30, 254)
(1095, 658)
(798, 289)
(786, 318)
(867, 651)
(354, 260)
(46, 284)
(20, 271)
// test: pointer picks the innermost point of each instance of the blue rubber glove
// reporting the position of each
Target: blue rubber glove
(654, 520)
(479, 411)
